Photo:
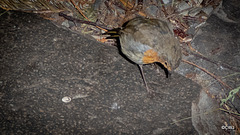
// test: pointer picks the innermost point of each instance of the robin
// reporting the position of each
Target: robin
(146, 41)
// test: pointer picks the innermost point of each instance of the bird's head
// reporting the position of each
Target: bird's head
(167, 65)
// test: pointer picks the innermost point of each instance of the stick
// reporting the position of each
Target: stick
(209, 73)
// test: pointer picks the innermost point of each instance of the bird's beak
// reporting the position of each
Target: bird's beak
(169, 72)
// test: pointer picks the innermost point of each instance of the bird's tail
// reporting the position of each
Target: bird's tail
(114, 33)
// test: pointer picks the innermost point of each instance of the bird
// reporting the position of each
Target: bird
(147, 41)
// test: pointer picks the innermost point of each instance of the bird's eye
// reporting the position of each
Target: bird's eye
(165, 63)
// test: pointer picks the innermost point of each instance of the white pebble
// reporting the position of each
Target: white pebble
(66, 99)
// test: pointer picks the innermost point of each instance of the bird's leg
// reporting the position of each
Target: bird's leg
(143, 77)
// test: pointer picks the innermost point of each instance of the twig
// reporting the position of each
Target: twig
(163, 8)
(205, 113)
(209, 73)
(233, 114)
(85, 16)
(215, 62)
(3, 12)
(131, 6)
(194, 52)
(237, 73)
(79, 9)
(82, 21)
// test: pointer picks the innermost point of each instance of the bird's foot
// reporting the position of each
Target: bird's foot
(151, 93)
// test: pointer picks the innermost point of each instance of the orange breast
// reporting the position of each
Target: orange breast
(150, 56)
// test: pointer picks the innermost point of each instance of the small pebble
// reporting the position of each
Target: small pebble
(66, 99)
